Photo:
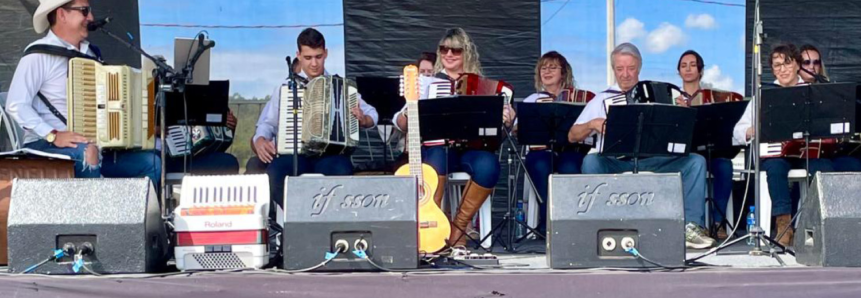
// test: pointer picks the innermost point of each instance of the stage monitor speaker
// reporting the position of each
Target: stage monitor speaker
(120, 219)
(829, 227)
(379, 212)
(593, 217)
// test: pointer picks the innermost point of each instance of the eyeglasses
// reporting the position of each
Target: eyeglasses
(814, 62)
(456, 51)
(85, 10)
(550, 68)
(782, 65)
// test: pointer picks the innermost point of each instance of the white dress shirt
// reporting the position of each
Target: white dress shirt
(595, 109)
(267, 124)
(46, 74)
(739, 132)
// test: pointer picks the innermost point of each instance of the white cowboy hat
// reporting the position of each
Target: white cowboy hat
(40, 18)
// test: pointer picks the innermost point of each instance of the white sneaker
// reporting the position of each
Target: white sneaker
(696, 238)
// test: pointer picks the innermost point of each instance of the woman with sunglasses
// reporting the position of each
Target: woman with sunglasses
(811, 64)
(553, 74)
(457, 55)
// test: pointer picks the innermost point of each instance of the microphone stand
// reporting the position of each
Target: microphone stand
(169, 80)
(294, 88)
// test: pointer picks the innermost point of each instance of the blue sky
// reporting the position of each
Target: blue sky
(253, 59)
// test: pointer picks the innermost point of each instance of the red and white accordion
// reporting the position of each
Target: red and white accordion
(569, 95)
(818, 148)
(707, 96)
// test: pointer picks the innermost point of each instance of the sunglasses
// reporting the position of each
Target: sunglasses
(85, 10)
(814, 62)
(456, 51)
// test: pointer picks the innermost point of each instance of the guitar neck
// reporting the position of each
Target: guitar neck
(414, 139)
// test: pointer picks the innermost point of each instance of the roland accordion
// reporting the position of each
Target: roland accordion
(110, 105)
(325, 124)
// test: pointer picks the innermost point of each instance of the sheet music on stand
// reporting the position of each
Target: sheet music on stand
(462, 118)
(546, 123)
(819, 110)
(714, 128)
(647, 130)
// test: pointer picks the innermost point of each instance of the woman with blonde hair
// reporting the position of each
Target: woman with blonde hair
(553, 74)
(457, 54)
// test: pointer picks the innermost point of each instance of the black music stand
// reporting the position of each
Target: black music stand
(543, 124)
(199, 105)
(462, 118)
(383, 94)
(714, 127)
(647, 130)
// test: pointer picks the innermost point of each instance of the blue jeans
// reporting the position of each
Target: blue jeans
(255, 166)
(115, 164)
(777, 175)
(539, 168)
(692, 167)
(482, 166)
(721, 186)
(282, 166)
(846, 164)
(214, 163)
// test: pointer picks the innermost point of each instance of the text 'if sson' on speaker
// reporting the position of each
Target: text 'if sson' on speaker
(593, 217)
(119, 218)
(379, 213)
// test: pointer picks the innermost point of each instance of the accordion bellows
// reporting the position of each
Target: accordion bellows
(110, 105)
(325, 124)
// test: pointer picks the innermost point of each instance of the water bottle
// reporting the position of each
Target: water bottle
(751, 223)
(520, 216)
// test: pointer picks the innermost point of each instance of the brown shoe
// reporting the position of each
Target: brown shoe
(721, 233)
(473, 196)
(784, 222)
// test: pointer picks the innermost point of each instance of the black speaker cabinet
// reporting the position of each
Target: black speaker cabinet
(593, 217)
(379, 212)
(829, 227)
(119, 218)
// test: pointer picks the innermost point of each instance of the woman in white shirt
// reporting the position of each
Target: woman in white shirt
(785, 64)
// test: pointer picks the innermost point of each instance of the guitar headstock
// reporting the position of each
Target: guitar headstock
(410, 83)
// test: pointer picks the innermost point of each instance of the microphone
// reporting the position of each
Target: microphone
(204, 44)
(818, 77)
(93, 26)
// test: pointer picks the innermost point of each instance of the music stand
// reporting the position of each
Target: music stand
(544, 124)
(199, 105)
(714, 127)
(462, 118)
(383, 94)
(647, 130)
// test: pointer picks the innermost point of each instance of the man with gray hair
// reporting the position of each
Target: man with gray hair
(627, 62)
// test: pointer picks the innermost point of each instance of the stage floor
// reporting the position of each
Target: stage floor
(524, 274)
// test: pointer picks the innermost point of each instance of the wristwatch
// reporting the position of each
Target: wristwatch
(51, 137)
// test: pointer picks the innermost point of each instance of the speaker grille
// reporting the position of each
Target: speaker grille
(219, 260)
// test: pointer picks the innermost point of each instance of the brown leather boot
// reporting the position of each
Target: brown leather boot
(783, 221)
(473, 196)
(440, 191)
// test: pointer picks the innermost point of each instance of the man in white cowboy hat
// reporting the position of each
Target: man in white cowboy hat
(37, 95)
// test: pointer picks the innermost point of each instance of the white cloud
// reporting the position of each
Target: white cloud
(713, 77)
(629, 30)
(665, 37)
(701, 21)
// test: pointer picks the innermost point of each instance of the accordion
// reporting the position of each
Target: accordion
(645, 92)
(469, 84)
(109, 105)
(326, 126)
(568, 95)
(818, 148)
(185, 140)
(707, 96)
